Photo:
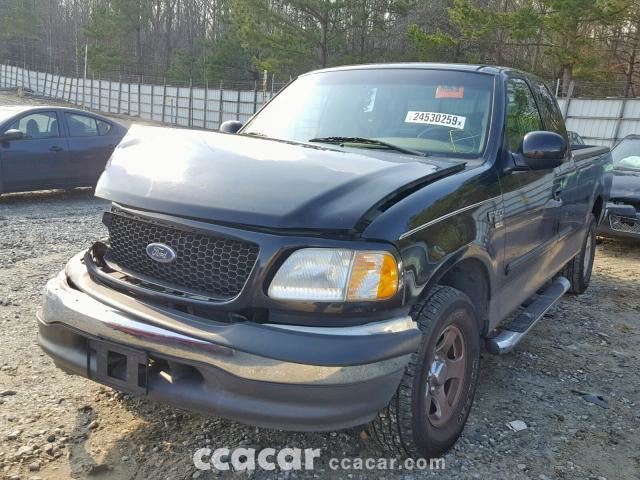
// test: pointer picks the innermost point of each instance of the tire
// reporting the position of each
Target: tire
(406, 428)
(578, 270)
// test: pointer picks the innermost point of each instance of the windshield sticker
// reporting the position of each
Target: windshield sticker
(432, 118)
(445, 91)
(372, 100)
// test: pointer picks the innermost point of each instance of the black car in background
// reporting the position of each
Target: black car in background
(47, 147)
(623, 219)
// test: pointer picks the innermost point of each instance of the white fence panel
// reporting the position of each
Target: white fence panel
(602, 121)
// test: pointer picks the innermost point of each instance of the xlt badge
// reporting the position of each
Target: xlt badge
(496, 218)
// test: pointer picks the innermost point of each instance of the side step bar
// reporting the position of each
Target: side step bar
(507, 339)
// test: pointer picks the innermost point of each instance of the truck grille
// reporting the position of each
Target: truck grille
(623, 224)
(205, 265)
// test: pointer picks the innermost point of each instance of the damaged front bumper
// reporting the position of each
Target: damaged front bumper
(284, 377)
(620, 221)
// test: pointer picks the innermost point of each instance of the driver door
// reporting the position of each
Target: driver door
(531, 203)
(39, 159)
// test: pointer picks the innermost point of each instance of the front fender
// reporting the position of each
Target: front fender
(420, 278)
(463, 234)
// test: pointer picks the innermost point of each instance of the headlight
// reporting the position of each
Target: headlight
(335, 275)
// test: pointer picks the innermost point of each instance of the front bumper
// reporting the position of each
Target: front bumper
(620, 221)
(278, 377)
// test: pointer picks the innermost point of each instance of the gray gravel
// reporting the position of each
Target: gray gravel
(55, 426)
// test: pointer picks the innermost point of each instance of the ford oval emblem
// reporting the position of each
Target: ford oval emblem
(161, 253)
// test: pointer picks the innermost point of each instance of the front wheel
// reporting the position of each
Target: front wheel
(428, 412)
(578, 270)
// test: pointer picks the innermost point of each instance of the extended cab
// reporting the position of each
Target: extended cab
(341, 258)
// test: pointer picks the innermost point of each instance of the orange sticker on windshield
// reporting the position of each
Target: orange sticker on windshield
(444, 91)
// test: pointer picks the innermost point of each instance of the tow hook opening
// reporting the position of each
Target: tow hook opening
(123, 368)
(117, 366)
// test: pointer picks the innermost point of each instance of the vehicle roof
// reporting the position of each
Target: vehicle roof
(8, 111)
(632, 136)
(456, 67)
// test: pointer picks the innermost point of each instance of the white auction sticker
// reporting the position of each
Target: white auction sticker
(433, 118)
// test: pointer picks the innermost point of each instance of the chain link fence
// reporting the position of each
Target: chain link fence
(595, 89)
(185, 106)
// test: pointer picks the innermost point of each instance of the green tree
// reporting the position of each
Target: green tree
(20, 25)
(549, 37)
(470, 34)
(288, 36)
(222, 58)
(571, 30)
(626, 48)
(116, 25)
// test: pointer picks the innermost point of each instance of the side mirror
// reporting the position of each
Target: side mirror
(541, 151)
(13, 134)
(230, 126)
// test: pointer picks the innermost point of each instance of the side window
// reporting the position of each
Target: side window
(103, 127)
(82, 126)
(38, 125)
(550, 110)
(522, 113)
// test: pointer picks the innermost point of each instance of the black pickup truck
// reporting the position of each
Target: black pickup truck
(341, 258)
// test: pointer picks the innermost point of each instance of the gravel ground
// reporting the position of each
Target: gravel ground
(56, 426)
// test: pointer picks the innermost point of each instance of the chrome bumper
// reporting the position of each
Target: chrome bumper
(140, 327)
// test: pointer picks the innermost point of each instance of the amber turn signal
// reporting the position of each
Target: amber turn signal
(374, 276)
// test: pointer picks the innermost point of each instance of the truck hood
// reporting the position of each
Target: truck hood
(626, 184)
(259, 182)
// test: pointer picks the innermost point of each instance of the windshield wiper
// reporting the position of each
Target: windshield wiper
(253, 134)
(368, 141)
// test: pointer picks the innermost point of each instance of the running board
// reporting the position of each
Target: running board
(507, 339)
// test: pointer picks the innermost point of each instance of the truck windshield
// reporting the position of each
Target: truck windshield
(428, 111)
(627, 154)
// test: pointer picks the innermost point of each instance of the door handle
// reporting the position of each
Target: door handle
(55, 148)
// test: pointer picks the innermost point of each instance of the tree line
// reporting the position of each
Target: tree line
(594, 41)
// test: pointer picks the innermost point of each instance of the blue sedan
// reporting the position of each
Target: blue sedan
(53, 147)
